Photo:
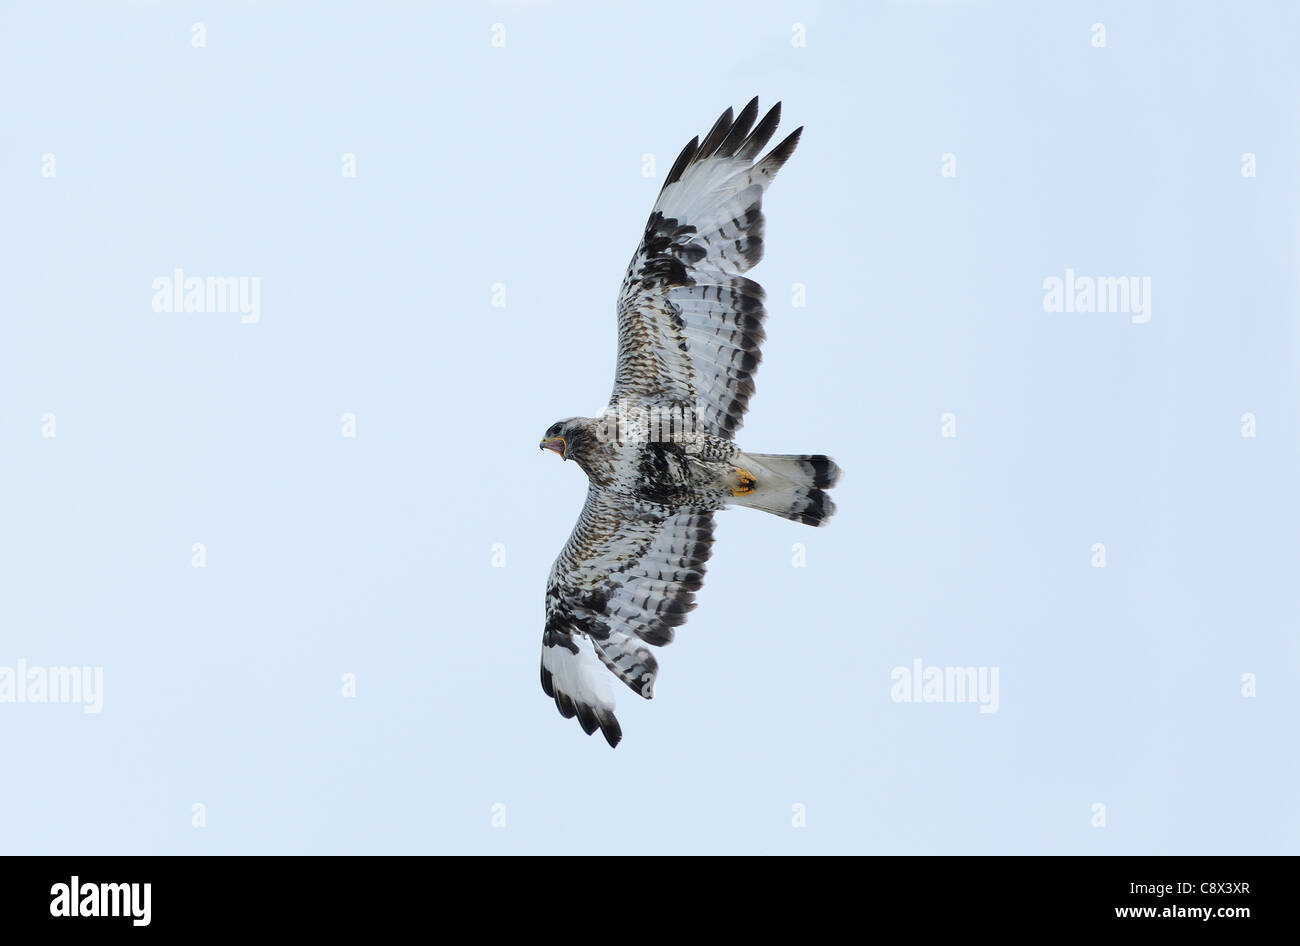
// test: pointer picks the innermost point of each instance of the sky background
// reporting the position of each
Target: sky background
(522, 165)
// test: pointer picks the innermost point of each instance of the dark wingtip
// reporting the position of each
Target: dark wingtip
(565, 705)
(717, 134)
(733, 138)
(786, 147)
(739, 129)
(586, 718)
(611, 730)
(683, 159)
(761, 134)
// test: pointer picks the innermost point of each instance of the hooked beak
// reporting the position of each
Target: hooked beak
(557, 444)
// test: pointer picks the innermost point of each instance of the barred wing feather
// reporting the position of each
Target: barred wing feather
(625, 579)
(690, 324)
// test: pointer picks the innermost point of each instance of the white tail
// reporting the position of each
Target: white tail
(790, 486)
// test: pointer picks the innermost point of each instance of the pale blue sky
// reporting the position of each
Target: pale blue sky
(522, 166)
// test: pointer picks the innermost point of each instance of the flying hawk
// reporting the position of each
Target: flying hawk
(661, 458)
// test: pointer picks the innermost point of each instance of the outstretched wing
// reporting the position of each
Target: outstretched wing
(690, 325)
(625, 579)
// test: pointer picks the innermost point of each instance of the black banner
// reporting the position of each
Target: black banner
(137, 895)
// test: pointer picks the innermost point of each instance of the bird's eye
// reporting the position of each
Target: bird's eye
(554, 431)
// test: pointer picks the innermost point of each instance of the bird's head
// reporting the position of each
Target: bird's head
(562, 437)
(585, 440)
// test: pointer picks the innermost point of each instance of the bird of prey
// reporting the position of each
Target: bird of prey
(661, 458)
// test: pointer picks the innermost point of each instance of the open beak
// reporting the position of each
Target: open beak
(554, 443)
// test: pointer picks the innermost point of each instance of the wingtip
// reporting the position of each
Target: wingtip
(717, 135)
(683, 160)
(612, 732)
(781, 153)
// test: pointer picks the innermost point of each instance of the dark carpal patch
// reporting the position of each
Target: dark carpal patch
(665, 251)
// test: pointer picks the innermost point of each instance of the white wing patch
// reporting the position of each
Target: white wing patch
(578, 682)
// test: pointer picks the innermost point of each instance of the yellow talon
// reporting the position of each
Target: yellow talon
(747, 482)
